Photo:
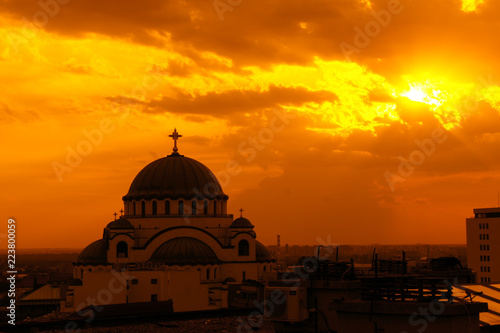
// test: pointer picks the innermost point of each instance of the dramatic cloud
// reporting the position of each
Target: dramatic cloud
(370, 120)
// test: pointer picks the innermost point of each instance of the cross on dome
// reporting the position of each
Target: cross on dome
(241, 212)
(175, 136)
(115, 215)
(121, 212)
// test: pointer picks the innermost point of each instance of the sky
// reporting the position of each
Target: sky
(345, 122)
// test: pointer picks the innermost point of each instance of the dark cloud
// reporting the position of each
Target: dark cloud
(424, 33)
(237, 101)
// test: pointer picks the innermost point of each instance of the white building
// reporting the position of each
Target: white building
(483, 244)
(175, 241)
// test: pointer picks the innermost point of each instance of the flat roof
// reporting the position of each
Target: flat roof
(487, 210)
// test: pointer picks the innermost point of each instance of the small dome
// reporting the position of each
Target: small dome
(241, 222)
(174, 177)
(121, 223)
(261, 253)
(95, 253)
(184, 251)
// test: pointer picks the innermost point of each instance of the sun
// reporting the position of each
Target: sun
(424, 92)
(415, 94)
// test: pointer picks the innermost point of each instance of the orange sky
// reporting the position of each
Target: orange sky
(320, 104)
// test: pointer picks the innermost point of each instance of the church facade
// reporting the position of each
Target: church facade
(174, 241)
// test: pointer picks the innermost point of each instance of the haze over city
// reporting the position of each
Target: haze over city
(356, 122)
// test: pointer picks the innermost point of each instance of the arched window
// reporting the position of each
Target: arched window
(155, 208)
(243, 248)
(205, 207)
(81, 273)
(122, 250)
(215, 207)
(167, 207)
(264, 269)
(181, 207)
(208, 273)
(193, 207)
(143, 208)
(134, 208)
(215, 273)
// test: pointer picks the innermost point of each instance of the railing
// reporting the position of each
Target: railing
(331, 270)
(408, 289)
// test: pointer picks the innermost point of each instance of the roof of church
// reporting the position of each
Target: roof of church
(174, 177)
(121, 223)
(241, 222)
(184, 251)
(261, 252)
(95, 253)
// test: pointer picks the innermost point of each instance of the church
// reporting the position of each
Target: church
(173, 241)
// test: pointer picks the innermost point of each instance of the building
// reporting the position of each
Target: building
(327, 296)
(483, 244)
(174, 241)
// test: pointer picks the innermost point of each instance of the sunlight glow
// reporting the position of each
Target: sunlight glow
(424, 93)
(471, 5)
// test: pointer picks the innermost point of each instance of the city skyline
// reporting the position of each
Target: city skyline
(354, 122)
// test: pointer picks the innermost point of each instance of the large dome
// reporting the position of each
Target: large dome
(175, 177)
(184, 251)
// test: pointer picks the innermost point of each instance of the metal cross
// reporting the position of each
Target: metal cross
(115, 215)
(121, 211)
(175, 136)
(241, 212)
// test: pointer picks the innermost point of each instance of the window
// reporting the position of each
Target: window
(215, 273)
(81, 273)
(487, 247)
(480, 258)
(208, 273)
(193, 207)
(143, 208)
(487, 225)
(154, 281)
(154, 297)
(135, 281)
(481, 268)
(134, 208)
(488, 258)
(215, 207)
(155, 208)
(181, 207)
(205, 207)
(480, 236)
(264, 268)
(122, 250)
(488, 269)
(480, 226)
(167, 207)
(487, 236)
(244, 276)
(243, 248)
